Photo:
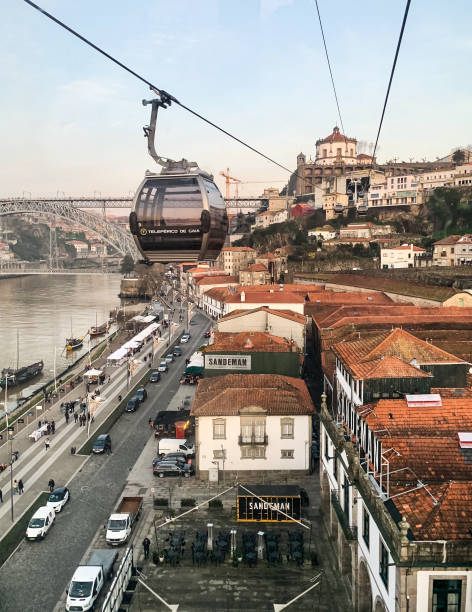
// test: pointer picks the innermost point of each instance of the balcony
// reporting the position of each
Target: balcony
(252, 439)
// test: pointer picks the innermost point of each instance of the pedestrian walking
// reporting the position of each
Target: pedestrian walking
(53, 427)
(109, 378)
(151, 423)
(49, 428)
(67, 417)
(47, 444)
(1, 497)
(88, 416)
(51, 485)
(21, 487)
(146, 546)
(39, 424)
(15, 487)
(76, 417)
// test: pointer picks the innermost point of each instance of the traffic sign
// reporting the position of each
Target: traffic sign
(21, 420)
(11, 428)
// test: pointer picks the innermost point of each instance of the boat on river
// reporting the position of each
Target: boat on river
(18, 376)
(99, 330)
(74, 343)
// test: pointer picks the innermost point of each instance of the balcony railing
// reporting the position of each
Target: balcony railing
(350, 532)
(253, 439)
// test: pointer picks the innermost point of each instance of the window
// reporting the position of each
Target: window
(335, 466)
(326, 446)
(219, 429)
(286, 428)
(253, 452)
(338, 152)
(287, 454)
(325, 152)
(383, 564)
(365, 526)
(447, 595)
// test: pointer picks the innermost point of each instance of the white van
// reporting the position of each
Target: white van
(175, 445)
(40, 523)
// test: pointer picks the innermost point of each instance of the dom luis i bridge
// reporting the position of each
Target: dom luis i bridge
(76, 211)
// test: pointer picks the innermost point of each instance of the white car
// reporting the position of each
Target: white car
(185, 338)
(40, 523)
(58, 498)
(162, 367)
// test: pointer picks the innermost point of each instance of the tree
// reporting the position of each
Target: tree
(458, 157)
(127, 264)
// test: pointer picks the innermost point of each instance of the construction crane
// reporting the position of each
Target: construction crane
(230, 180)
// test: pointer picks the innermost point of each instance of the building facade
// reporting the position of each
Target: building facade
(403, 256)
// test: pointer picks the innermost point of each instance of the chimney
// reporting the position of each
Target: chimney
(243, 296)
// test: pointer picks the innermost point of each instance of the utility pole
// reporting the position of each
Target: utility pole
(10, 438)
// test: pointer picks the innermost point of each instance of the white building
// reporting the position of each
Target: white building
(335, 149)
(286, 323)
(322, 233)
(252, 423)
(275, 299)
(404, 256)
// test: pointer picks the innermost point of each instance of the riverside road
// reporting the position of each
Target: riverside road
(36, 575)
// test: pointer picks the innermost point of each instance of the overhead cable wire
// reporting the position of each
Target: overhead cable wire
(329, 66)
(392, 72)
(165, 95)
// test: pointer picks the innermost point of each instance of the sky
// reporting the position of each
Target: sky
(71, 121)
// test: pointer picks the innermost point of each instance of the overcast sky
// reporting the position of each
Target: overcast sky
(71, 121)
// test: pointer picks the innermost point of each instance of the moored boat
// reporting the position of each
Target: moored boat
(99, 330)
(74, 343)
(18, 376)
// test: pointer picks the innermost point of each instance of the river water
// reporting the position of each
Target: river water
(42, 309)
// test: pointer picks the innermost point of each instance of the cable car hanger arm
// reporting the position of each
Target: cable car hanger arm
(155, 89)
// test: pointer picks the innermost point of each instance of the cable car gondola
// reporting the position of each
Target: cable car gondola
(178, 214)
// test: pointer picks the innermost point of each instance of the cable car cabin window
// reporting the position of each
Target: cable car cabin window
(169, 214)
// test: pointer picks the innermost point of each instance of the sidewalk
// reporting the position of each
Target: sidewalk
(36, 466)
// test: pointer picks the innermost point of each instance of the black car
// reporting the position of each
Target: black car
(166, 459)
(102, 444)
(177, 351)
(167, 468)
(132, 404)
(141, 394)
(174, 457)
(155, 377)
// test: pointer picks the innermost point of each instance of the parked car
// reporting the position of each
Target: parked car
(40, 523)
(132, 405)
(193, 322)
(167, 446)
(182, 457)
(155, 377)
(102, 444)
(185, 338)
(177, 460)
(177, 351)
(170, 358)
(163, 366)
(58, 498)
(179, 300)
(141, 394)
(167, 468)
(207, 334)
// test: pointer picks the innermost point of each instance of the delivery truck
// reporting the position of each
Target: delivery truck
(88, 580)
(121, 522)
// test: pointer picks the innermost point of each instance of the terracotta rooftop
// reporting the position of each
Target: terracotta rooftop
(407, 247)
(257, 267)
(386, 367)
(336, 136)
(253, 341)
(269, 255)
(288, 287)
(284, 314)
(218, 293)
(381, 283)
(264, 297)
(448, 240)
(446, 517)
(241, 249)
(398, 343)
(349, 297)
(212, 280)
(227, 395)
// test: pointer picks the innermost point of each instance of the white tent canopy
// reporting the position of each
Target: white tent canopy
(93, 372)
(147, 331)
(119, 356)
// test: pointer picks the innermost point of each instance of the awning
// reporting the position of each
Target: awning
(118, 355)
(93, 372)
(194, 369)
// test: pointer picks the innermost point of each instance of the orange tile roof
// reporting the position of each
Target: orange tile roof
(268, 255)
(446, 517)
(264, 297)
(387, 367)
(285, 314)
(397, 343)
(288, 287)
(253, 341)
(212, 280)
(227, 395)
(218, 293)
(407, 247)
(258, 267)
(350, 297)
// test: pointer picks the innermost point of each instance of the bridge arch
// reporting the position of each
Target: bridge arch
(114, 235)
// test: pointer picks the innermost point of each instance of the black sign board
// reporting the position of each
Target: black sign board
(11, 428)
(264, 503)
(21, 420)
(1, 437)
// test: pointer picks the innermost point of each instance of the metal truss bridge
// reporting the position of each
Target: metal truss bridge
(72, 209)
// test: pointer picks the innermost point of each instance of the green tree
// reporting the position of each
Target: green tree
(458, 157)
(127, 264)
